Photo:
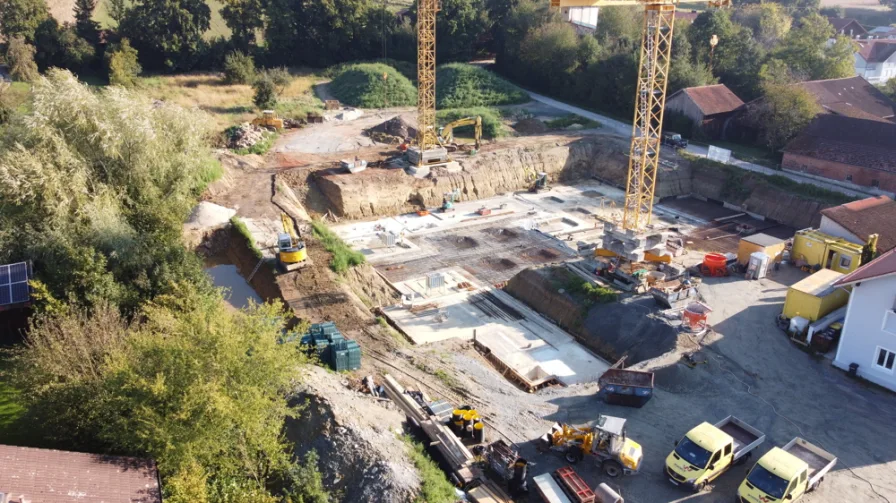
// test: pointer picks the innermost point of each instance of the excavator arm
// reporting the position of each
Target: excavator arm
(446, 133)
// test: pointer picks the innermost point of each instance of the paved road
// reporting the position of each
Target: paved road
(616, 127)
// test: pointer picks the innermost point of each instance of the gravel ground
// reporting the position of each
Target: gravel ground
(753, 370)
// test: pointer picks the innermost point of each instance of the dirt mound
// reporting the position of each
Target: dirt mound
(360, 456)
(392, 129)
(629, 328)
(530, 126)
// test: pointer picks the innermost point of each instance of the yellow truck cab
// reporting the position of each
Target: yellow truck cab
(708, 450)
(786, 474)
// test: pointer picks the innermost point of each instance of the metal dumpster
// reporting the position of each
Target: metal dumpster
(631, 388)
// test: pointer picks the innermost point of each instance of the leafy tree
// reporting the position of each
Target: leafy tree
(167, 33)
(528, 16)
(244, 18)
(123, 64)
(62, 47)
(327, 32)
(20, 58)
(97, 184)
(775, 72)
(783, 112)
(462, 28)
(117, 9)
(305, 483)
(620, 26)
(549, 55)
(805, 50)
(832, 11)
(889, 88)
(20, 18)
(239, 68)
(85, 26)
(265, 93)
(769, 22)
(280, 76)
(737, 57)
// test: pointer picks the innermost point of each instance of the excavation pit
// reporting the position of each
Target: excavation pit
(459, 242)
(503, 264)
(504, 235)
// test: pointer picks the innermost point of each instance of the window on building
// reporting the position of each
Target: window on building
(845, 262)
(875, 183)
(885, 359)
(848, 178)
(584, 16)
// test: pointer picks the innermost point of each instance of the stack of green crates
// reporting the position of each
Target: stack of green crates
(333, 348)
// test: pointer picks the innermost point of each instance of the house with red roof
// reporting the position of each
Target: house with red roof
(706, 106)
(868, 341)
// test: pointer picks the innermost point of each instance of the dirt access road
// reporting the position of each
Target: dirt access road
(756, 374)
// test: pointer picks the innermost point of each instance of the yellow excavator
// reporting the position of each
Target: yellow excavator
(291, 249)
(446, 132)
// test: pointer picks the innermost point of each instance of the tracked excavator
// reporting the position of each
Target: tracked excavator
(291, 249)
(446, 133)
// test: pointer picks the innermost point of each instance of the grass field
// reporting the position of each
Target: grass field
(10, 409)
(229, 104)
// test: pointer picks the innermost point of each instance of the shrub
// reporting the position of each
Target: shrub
(492, 127)
(434, 486)
(123, 65)
(363, 85)
(568, 120)
(280, 76)
(409, 70)
(343, 256)
(239, 68)
(265, 93)
(20, 58)
(464, 85)
(593, 294)
(244, 231)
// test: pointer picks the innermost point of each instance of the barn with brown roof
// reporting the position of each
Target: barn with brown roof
(706, 106)
(51, 476)
(859, 151)
(848, 26)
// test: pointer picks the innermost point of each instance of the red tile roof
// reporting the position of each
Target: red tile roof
(875, 215)
(51, 476)
(884, 265)
(877, 51)
(855, 142)
(711, 100)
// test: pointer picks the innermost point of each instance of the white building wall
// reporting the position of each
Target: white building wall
(869, 326)
(831, 227)
(876, 73)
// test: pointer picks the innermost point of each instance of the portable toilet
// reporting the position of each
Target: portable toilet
(770, 245)
(814, 297)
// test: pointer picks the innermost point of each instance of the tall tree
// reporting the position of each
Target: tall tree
(620, 26)
(167, 33)
(86, 27)
(462, 30)
(806, 51)
(117, 10)
(20, 18)
(20, 58)
(783, 112)
(244, 18)
(325, 32)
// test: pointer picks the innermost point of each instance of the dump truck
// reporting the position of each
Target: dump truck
(786, 473)
(709, 450)
(605, 441)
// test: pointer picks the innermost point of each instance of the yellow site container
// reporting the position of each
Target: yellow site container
(815, 296)
(769, 245)
(819, 249)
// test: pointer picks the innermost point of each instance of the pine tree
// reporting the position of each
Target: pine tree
(84, 23)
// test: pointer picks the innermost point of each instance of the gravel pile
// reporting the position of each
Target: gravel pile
(530, 126)
(244, 136)
(208, 215)
(395, 127)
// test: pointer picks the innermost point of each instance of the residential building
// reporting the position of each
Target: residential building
(848, 26)
(882, 32)
(859, 151)
(868, 340)
(51, 476)
(584, 19)
(858, 220)
(876, 60)
(708, 107)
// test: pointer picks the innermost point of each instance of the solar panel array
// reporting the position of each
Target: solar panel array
(14, 287)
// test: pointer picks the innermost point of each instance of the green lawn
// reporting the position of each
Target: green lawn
(11, 411)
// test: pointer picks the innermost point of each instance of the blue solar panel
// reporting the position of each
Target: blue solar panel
(14, 287)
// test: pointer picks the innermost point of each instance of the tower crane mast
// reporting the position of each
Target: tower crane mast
(427, 137)
(650, 101)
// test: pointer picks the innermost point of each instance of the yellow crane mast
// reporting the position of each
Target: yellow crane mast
(650, 101)
(426, 75)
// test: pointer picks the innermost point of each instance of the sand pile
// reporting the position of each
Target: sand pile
(394, 130)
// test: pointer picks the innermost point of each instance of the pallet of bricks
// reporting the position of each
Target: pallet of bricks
(332, 348)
